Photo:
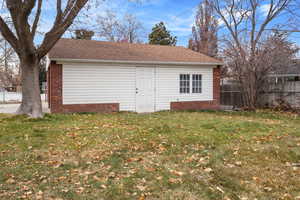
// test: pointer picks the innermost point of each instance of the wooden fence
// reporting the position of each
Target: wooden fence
(289, 92)
(232, 98)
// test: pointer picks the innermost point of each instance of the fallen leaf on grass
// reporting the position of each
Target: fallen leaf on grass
(142, 198)
(10, 181)
(268, 189)
(141, 188)
(96, 178)
(208, 170)
(103, 186)
(39, 195)
(220, 189)
(150, 169)
(65, 190)
(80, 190)
(134, 159)
(177, 173)
(230, 165)
(175, 180)
(112, 175)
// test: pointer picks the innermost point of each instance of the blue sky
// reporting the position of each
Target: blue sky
(178, 15)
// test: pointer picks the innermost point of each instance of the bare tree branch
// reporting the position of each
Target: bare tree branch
(246, 27)
(37, 18)
(59, 29)
(8, 34)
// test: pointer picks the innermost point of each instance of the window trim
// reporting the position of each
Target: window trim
(184, 83)
(197, 83)
(184, 88)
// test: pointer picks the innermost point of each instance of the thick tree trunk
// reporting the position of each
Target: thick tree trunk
(31, 97)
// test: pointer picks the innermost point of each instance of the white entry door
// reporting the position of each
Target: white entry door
(145, 84)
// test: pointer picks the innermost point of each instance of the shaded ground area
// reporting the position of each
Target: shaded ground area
(11, 108)
(167, 155)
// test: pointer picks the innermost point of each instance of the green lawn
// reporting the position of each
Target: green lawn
(167, 155)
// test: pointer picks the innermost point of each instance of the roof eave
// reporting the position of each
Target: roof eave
(284, 75)
(68, 60)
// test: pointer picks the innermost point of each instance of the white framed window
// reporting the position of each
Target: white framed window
(190, 83)
(197, 83)
(184, 83)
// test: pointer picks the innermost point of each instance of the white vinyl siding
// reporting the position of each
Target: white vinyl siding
(167, 85)
(99, 83)
(93, 84)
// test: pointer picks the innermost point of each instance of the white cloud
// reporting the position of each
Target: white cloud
(181, 25)
(153, 2)
(264, 9)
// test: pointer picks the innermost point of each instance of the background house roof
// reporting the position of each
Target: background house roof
(112, 51)
(293, 69)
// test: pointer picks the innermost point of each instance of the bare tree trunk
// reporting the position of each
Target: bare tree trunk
(31, 96)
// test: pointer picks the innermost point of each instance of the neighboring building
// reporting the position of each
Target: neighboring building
(94, 76)
(284, 86)
(290, 73)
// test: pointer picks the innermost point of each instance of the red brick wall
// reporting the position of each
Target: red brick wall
(203, 105)
(194, 105)
(105, 107)
(216, 85)
(55, 96)
(55, 89)
(48, 87)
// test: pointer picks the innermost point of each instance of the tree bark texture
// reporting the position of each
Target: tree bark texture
(31, 97)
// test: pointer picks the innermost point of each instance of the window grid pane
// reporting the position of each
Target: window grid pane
(197, 83)
(184, 83)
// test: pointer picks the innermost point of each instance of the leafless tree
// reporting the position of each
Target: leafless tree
(109, 26)
(26, 16)
(8, 64)
(6, 77)
(6, 54)
(204, 32)
(246, 26)
(131, 29)
(126, 29)
(83, 34)
(274, 55)
(8, 60)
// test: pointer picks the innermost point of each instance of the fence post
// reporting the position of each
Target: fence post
(3, 96)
